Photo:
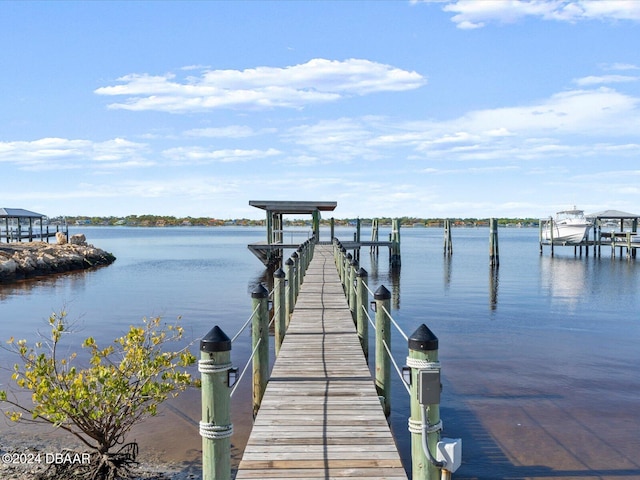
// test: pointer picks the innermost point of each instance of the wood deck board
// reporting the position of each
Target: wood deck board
(321, 416)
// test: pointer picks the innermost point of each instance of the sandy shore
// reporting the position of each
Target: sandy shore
(170, 447)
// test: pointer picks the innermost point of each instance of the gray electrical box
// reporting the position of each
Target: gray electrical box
(429, 387)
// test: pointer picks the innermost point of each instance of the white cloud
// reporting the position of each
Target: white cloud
(231, 131)
(62, 154)
(317, 81)
(471, 14)
(201, 156)
(569, 124)
(602, 79)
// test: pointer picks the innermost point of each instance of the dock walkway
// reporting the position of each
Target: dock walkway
(320, 416)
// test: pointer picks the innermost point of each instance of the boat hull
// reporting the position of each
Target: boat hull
(570, 233)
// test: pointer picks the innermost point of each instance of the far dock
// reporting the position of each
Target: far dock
(609, 230)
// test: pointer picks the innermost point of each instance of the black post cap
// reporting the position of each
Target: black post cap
(279, 273)
(354, 263)
(382, 293)
(289, 261)
(361, 272)
(423, 340)
(259, 292)
(294, 254)
(215, 341)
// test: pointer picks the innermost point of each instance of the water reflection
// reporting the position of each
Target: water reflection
(494, 281)
(564, 279)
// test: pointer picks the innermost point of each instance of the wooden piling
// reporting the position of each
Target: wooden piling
(279, 307)
(374, 236)
(288, 264)
(394, 251)
(382, 297)
(448, 245)
(296, 275)
(215, 427)
(260, 341)
(351, 288)
(494, 255)
(423, 355)
(362, 322)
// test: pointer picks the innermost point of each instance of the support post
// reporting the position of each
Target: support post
(215, 427)
(423, 355)
(362, 323)
(279, 307)
(288, 265)
(351, 288)
(296, 275)
(382, 297)
(260, 333)
(448, 246)
(494, 255)
(395, 243)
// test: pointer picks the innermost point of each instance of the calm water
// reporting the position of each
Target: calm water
(540, 359)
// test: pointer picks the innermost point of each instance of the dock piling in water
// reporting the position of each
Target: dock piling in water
(494, 254)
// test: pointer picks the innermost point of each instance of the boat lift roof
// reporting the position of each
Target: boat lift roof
(18, 213)
(613, 214)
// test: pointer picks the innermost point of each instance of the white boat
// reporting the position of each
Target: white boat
(568, 226)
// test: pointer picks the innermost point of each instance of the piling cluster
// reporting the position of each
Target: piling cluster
(25, 260)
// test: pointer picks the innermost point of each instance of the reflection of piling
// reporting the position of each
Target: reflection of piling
(448, 245)
(494, 255)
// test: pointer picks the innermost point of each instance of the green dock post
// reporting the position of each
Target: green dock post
(296, 275)
(382, 297)
(345, 272)
(301, 265)
(288, 264)
(362, 323)
(260, 333)
(279, 307)
(351, 288)
(423, 356)
(215, 427)
(494, 254)
(356, 252)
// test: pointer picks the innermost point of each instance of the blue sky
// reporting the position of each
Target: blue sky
(391, 108)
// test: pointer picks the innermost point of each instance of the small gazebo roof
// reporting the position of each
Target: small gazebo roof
(293, 207)
(19, 213)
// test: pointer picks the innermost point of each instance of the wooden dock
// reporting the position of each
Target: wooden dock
(321, 416)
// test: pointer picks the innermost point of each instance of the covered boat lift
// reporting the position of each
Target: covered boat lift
(17, 219)
(617, 236)
(270, 252)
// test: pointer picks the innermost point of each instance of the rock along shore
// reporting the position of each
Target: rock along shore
(33, 259)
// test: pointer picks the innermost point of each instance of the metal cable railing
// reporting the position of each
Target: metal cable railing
(246, 367)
